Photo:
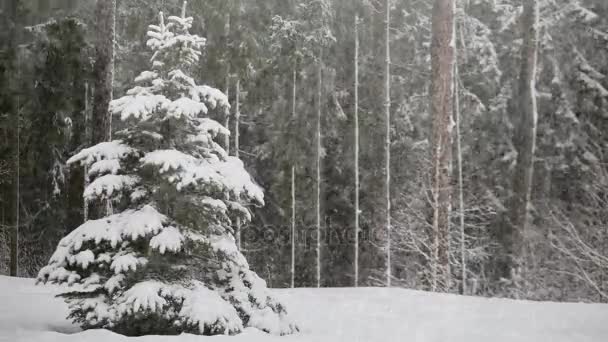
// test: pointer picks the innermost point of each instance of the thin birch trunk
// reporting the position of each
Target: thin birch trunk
(463, 246)
(387, 109)
(319, 146)
(293, 191)
(227, 121)
(356, 262)
(87, 138)
(14, 265)
(14, 40)
(237, 117)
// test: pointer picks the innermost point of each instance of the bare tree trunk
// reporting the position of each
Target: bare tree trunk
(442, 90)
(227, 121)
(237, 117)
(319, 147)
(14, 265)
(525, 143)
(463, 243)
(356, 262)
(103, 70)
(14, 40)
(87, 141)
(387, 111)
(293, 190)
(103, 74)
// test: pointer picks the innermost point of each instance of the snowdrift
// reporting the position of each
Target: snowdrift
(32, 313)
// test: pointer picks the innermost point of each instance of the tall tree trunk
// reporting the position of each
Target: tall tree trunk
(13, 78)
(227, 122)
(14, 266)
(525, 143)
(356, 261)
(103, 70)
(463, 242)
(87, 141)
(387, 112)
(237, 118)
(319, 147)
(442, 91)
(293, 189)
(103, 74)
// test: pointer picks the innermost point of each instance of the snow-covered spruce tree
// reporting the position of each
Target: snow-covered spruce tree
(166, 262)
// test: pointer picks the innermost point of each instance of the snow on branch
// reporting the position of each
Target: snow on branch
(105, 166)
(184, 170)
(140, 106)
(185, 107)
(109, 186)
(169, 239)
(212, 96)
(102, 151)
(207, 130)
(73, 251)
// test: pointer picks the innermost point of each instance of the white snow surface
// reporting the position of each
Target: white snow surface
(32, 313)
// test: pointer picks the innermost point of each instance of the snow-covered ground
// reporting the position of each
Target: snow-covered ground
(31, 313)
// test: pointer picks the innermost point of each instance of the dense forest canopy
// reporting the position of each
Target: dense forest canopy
(294, 62)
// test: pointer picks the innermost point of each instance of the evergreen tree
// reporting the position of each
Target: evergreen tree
(166, 262)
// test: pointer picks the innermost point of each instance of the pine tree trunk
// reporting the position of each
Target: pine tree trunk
(356, 262)
(463, 246)
(14, 40)
(87, 141)
(525, 143)
(103, 74)
(103, 70)
(14, 265)
(387, 111)
(237, 118)
(293, 191)
(293, 227)
(227, 122)
(319, 147)
(442, 90)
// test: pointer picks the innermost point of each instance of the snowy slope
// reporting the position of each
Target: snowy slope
(31, 313)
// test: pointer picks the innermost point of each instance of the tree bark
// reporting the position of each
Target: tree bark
(442, 90)
(103, 74)
(103, 70)
(227, 120)
(319, 147)
(525, 143)
(237, 118)
(457, 117)
(13, 77)
(87, 141)
(356, 261)
(387, 145)
(14, 265)
(293, 189)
